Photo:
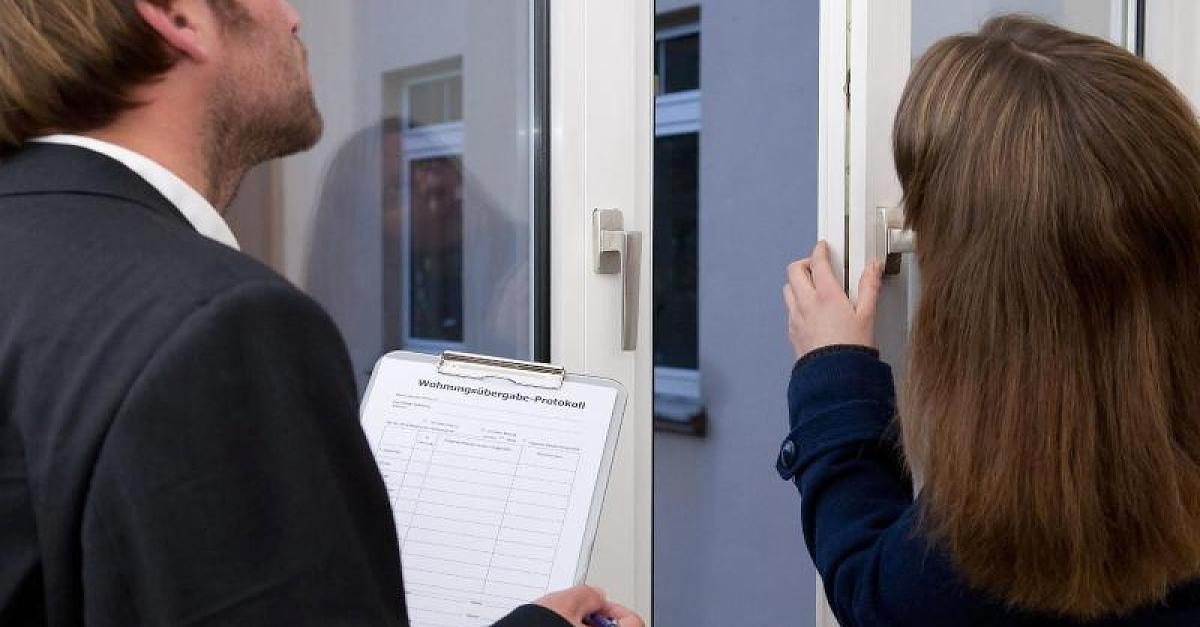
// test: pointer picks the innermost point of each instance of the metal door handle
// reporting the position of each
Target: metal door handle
(892, 240)
(618, 251)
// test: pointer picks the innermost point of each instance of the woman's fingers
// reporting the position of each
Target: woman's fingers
(868, 290)
(795, 324)
(800, 281)
(823, 277)
(819, 311)
(789, 299)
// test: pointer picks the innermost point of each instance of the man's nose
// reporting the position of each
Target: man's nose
(293, 16)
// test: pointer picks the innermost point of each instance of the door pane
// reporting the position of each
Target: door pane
(735, 199)
(412, 221)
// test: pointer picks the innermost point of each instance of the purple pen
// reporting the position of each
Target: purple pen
(599, 620)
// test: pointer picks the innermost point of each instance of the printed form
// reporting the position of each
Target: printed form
(491, 485)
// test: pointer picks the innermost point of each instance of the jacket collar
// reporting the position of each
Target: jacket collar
(57, 169)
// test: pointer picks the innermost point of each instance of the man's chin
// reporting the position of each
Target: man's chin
(246, 136)
(302, 136)
(316, 131)
(314, 123)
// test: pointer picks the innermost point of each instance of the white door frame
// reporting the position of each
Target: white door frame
(602, 131)
(864, 63)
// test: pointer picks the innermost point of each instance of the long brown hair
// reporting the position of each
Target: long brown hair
(1053, 405)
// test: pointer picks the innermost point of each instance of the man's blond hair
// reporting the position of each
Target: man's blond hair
(69, 65)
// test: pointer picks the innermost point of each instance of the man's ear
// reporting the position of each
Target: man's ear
(178, 26)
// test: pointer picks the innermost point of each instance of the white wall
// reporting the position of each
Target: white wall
(934, 19)
(1173, 45)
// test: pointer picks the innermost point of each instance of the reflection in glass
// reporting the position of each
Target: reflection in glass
(676, 284)
(412, 220)
(676, 239)
(454, 98)
(726, 536)
(426, 104)
(436, 258)
(677, 62)
(436, 100)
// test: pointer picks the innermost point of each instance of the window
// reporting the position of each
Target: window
(676, 169)
(677, 404)
(421, 218)
(677, 59)
(431, 197)
(435, 251)
(434, 100)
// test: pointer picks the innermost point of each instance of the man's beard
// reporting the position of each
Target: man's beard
(244, 131)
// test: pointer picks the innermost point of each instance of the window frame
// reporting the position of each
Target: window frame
(601, 156)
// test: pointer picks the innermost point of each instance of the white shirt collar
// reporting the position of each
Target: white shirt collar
(194, 207)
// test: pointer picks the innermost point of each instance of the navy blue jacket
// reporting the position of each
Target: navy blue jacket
(857, 510)
(179, 437)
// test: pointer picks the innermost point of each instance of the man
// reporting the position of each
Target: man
(179, 441)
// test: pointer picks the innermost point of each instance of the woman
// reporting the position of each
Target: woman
(1052, 411)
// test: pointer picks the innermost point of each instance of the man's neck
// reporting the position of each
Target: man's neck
(180, 148)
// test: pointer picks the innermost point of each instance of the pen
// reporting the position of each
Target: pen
(599, 620)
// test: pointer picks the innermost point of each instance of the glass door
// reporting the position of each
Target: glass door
(448, 206)
(735, 200)
(420, 219)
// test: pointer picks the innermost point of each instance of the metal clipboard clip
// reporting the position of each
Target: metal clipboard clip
(484, 367)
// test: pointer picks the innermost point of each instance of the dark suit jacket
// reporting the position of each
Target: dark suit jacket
(179, 439)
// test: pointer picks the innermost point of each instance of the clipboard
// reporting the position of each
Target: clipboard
(496, 382)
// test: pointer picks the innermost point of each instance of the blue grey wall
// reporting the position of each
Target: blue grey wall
(728, 549)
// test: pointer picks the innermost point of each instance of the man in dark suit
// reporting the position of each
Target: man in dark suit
(179, 442)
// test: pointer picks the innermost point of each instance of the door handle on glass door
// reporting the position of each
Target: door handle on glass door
(618, 251)
(892, 240)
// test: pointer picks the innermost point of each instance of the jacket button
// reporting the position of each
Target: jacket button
(787, 453)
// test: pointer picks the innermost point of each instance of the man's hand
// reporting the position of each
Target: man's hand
(575, 604)
(820, 313)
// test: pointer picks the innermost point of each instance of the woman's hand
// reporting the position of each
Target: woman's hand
(820, 313)
(575, 604)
